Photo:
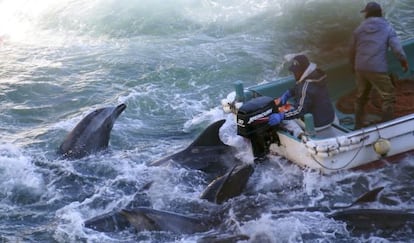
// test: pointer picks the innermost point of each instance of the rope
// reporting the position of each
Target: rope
(348, 163)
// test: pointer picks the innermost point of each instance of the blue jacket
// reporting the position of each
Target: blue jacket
(370, 43)
(311, 96)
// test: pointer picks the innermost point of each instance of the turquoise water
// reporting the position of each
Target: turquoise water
(171, 62)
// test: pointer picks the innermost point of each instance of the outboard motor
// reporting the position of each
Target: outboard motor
(252, 123)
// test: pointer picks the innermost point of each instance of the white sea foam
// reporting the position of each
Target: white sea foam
(16, 169)
(171, 61)
(267, 229)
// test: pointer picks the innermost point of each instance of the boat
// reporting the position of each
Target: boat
(338, 147)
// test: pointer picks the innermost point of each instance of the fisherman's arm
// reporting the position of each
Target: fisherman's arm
(352, 52)
(397, 49)
(303, 103)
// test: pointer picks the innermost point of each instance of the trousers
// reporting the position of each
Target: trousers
(382, 83)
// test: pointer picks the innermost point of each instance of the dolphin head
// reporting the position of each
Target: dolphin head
(104, 119)
(229, 185)
(118, 110)
(92, 133)
(139, 220)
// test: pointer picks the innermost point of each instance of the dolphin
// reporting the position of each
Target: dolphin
(362, 219)
(91, 134)
(369, 196)
(207, 153)
(229, 185)
(114, 221)
(108, 222)
(148, 219)
(223, 238)
(142, 218)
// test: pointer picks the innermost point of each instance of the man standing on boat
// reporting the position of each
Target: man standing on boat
(368, 57)
(310, 94)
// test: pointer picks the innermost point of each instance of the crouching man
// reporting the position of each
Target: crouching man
(310, 95)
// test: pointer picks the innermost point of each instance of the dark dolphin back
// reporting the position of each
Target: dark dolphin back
(207, 153)
(374, 219)
(151, 219)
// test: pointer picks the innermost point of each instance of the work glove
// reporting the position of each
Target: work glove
(404, 65)
(276, 118)
(284, 98)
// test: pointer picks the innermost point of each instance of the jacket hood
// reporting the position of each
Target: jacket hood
(312, 74)
(373, 24)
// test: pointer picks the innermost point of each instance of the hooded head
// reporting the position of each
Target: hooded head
(372, 9)
(299, 65)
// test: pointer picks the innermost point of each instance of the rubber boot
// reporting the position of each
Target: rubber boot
(387, 114)
(359, 117)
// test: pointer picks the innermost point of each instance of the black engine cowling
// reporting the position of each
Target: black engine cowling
(252, 123)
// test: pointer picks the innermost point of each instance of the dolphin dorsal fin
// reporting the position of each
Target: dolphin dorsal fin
(210, 136)
(370, 196)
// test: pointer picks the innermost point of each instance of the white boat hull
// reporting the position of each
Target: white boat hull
(347, 150)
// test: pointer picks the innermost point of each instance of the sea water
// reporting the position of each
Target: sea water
(170, 62)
